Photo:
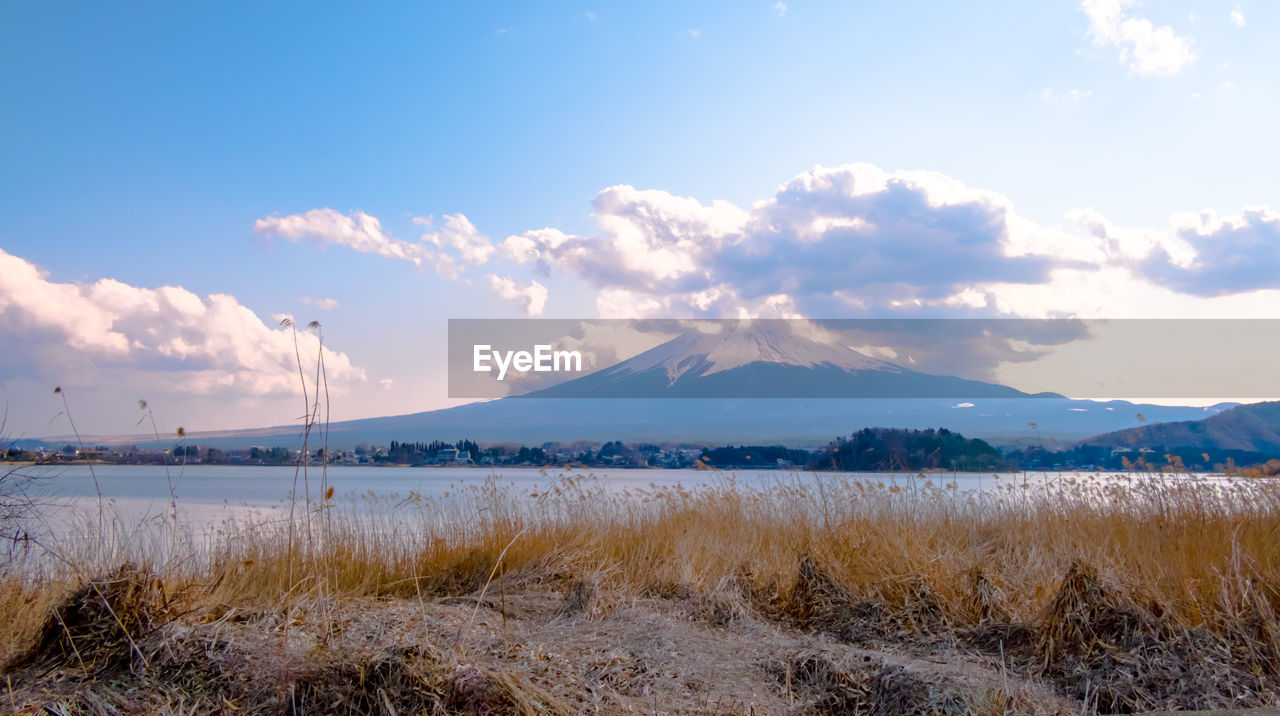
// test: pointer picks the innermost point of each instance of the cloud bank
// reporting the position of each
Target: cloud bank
(209, 345)
(848, 241)
(857, 240)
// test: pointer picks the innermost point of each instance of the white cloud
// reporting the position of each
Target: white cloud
(848, 240)
(534, 246)
(1131, 244)
(1145, 49)
(439, 250)
(195, 345)
(857, 240)
(459, 234)
(1073, 96)
(533, 298)
(1118, 292)
(1223, 255)
(780, 8)
(448, 246)
(1237, 17)
(830, 241)
(695, 33)
(386, 383)
(1202, 266)
(324, 304)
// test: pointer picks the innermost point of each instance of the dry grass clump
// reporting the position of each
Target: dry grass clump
(819, 602)
(1119, 655)
(97, 626)
(1121, 595)
(871, 687)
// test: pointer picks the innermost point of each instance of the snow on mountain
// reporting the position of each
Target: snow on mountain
(763, 359)
(729, 346)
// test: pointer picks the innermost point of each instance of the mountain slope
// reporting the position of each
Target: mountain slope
(804, 388)
(768, 361)
(1254, 427)
(790, 421)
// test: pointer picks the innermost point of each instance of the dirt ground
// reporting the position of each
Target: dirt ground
(558, 646)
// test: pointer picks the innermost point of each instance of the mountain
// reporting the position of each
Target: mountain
(765, 361)
(799, 422)
(1254, 427)
(692, 367)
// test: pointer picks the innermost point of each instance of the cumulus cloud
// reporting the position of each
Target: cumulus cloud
(448, 246)
(856, 240)
(1200, 253)
(533, 298)
(1126, 245)
(459, 234)
(199, 345)
(535, 247)
(1145, 49)
(1223, 255)
(1237, 17)
(1119, 292)
(831, 241)
(363, 233)
(851, 240)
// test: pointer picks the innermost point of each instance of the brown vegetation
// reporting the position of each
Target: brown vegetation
(821, 595)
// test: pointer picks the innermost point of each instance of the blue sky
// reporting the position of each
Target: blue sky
(147, 143)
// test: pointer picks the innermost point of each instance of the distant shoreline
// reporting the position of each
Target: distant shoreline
(5, 466)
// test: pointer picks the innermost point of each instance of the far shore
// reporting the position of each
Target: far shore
(5, 466)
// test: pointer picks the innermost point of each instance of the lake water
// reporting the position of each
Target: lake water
(209, 493)
(209, 496)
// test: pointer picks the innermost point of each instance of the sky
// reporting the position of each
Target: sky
(177, 177)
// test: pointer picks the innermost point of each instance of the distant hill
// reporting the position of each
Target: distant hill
(893, 450)
(1254, 427)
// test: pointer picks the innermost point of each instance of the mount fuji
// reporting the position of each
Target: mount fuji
(688, 390)
(765, 361)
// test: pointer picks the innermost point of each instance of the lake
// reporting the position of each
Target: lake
(133, 519)
(211, 498)
(207, 495)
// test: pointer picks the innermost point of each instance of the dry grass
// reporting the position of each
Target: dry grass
(1155, 593)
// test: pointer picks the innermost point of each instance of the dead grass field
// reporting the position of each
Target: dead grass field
(826, 596)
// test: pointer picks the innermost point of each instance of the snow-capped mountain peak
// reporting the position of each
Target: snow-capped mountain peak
(724, 347)
(764, 359)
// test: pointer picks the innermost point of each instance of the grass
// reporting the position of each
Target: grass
(1143, 593)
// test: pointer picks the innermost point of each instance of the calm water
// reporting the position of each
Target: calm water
(208, 495)
(269, 487)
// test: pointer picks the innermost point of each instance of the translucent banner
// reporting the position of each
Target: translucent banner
(865, 358)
